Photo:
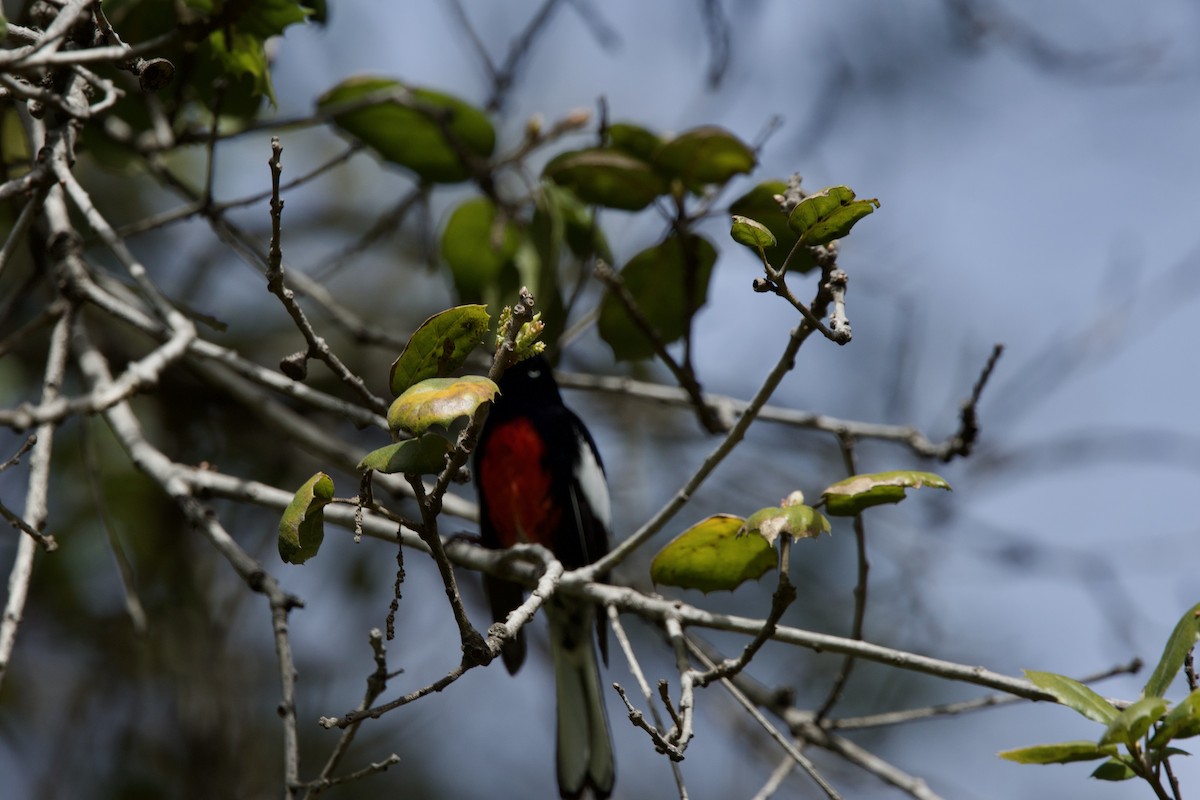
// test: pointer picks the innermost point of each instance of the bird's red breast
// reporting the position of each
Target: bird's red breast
(513, 478)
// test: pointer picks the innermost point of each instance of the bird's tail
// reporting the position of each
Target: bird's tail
(585, 750)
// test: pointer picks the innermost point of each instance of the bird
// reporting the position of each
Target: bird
(540, 480)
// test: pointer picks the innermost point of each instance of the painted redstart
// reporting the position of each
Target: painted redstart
(540, 480)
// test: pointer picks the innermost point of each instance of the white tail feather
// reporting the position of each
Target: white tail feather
(585, 752)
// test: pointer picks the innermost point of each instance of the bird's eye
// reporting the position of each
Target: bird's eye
(535, 373)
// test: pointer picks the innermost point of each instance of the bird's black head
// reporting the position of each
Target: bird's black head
(525, 385)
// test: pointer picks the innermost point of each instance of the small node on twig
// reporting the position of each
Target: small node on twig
(763, 286)
(295, 366)
(154, 74)
(791, 196)
(475, 650)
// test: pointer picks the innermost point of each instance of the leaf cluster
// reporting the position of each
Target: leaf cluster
(1138, 739)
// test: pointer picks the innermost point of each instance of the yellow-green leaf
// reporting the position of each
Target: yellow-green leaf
(1073, 694)
(1060, 753)
(1181, 722)
(439, 401)
(1132, 723)
(423, 456)
(798, 521)
(439, 346)
(750, 233)
(828, 214)
(849, 497)
(1183, 638)
(711, 555)
(302, 527)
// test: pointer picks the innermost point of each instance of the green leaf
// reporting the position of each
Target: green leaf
(639, 142)
(1073, 694)
(797, 521)
(583, 236)
(1182, 639)
(476, 246)
(233, 57)
(266, 18)
(415, 128)
(752, 234)
(439, 401)
(607, 178)
(423, 456)
(302, 527)
(711, 555)
(319, 11)
(439, 345)
(1182, 722)
(849, 497)
(704, 156)
(828, 214)
(759, 204)
(1132, 723)
(1060, 753)
(238, 61)
(658, 280)
(1113, 770)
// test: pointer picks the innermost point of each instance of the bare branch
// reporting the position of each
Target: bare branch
(36, 496)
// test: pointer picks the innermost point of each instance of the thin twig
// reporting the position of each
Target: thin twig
(124, 308)
(45, 540)
(498, 634)
(686, 378)
(788, 746)
(846, 443)
(519, 50)
(317, 346)
(376, 684)
(473, 647)
(197, 208)
(635, 667)
(964, 439)
(24, 220)
(950, 709)
(250, 250)
(784, 596)
(15, 458)
(133, 603)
